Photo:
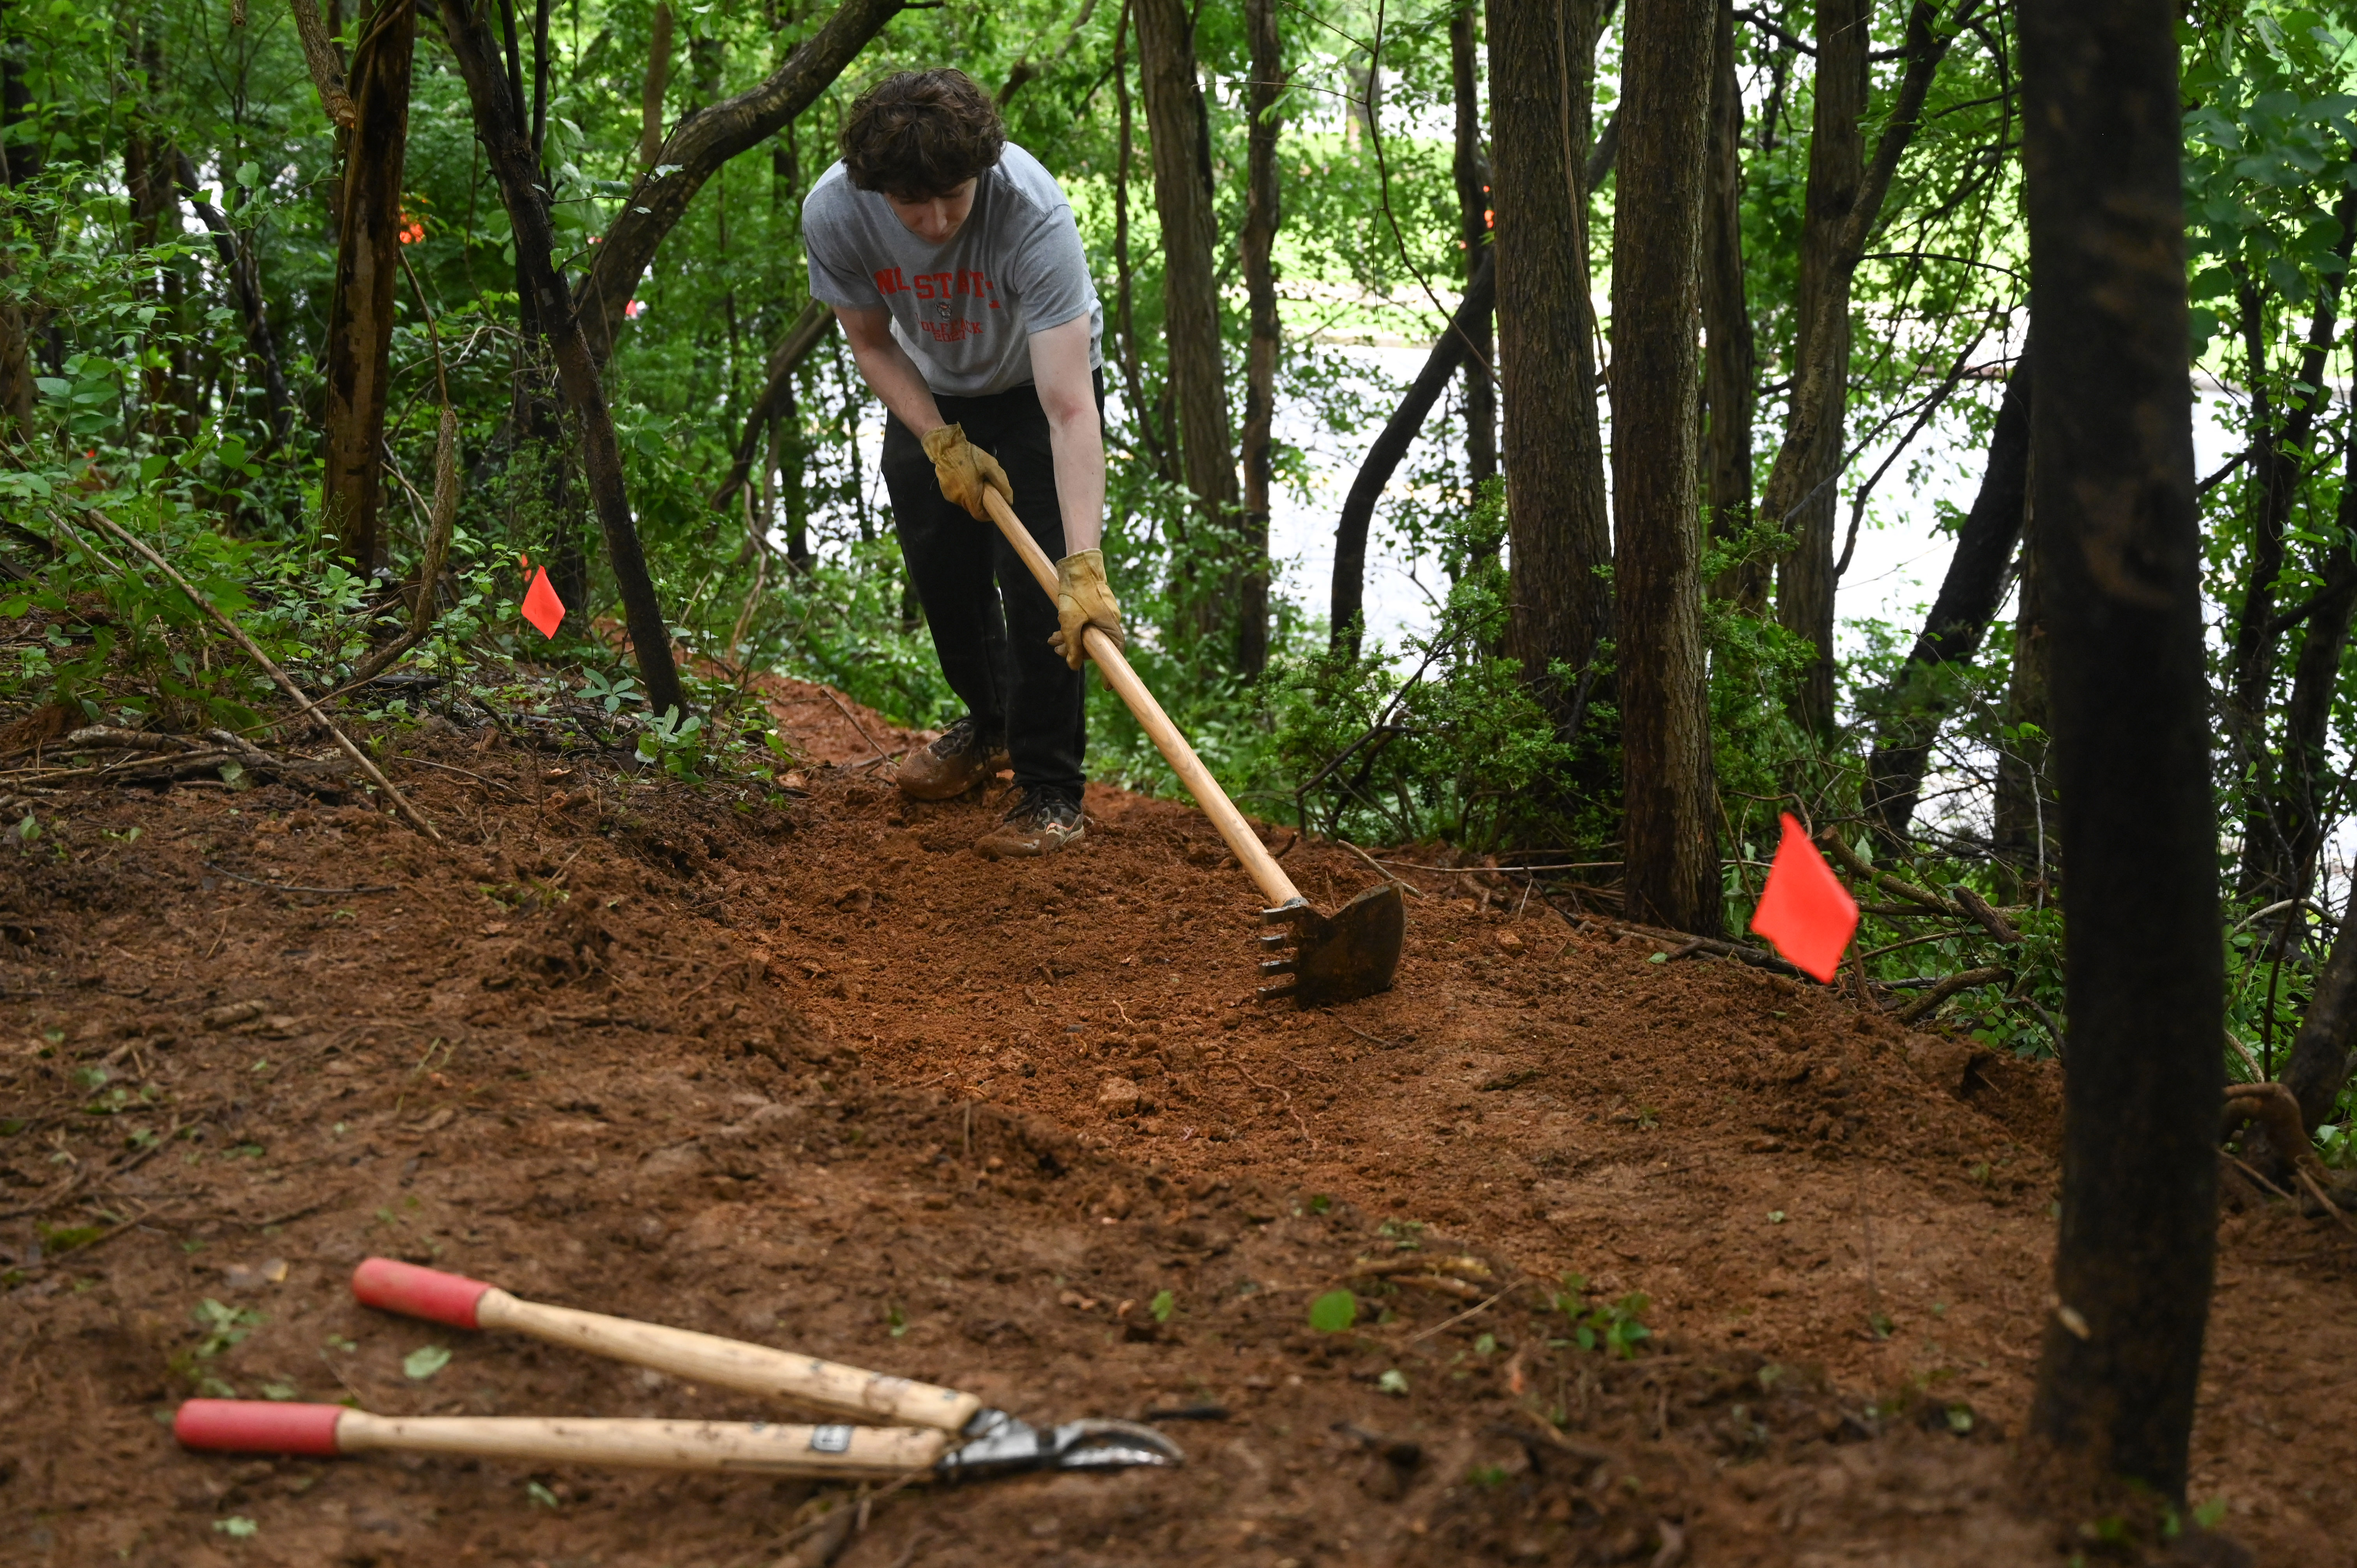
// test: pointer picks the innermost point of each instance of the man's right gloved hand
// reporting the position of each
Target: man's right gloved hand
(965, 470)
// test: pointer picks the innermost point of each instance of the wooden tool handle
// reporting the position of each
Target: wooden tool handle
(848, 1453)
(805, 1381)
(1273, 883)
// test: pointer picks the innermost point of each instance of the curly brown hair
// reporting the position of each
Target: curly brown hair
(922, 133)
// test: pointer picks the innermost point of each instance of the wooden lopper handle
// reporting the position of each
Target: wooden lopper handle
(1273, 883)
(844, 1453)
(806, 1380)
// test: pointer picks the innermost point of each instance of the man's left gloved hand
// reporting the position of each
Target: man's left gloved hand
(965, 470)
(1084, 599)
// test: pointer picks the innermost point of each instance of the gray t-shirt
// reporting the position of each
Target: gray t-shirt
(965, 310)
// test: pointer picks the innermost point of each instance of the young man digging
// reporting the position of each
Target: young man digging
(952, 260)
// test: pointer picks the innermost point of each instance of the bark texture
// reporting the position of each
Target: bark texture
(500, 125)
(1670, 873)
(1471, 171)
(1541, 73)
(1264, 335)
(1802, 487)
(1969, 595)
(2118, 538)
(652, 88)
(1179, 142)
(368, 273)
(1844, 199)
(1347, 596)
(698, 145)
(1730, 361)
(2320, 1055)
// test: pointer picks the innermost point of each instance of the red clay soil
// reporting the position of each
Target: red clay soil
(815, 1074)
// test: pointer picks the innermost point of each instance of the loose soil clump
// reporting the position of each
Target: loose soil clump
(1647, 1260)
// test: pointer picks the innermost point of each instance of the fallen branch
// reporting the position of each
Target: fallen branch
(1995, 924)
(1886, 880)
(1947, 988)
(1690, 944)
(376, 776)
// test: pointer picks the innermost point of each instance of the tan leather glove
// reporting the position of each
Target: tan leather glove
(1084, 599)
(965, 470)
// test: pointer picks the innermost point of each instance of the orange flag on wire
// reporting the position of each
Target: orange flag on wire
(1804, 910)
(540, 605)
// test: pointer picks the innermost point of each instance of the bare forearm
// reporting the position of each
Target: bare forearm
(893, 377)
(1078, 444)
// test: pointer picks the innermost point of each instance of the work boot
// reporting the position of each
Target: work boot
(952, 765)
(1040, 824)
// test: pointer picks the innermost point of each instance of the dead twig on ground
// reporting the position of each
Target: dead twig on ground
(237, 633)
(881, 755)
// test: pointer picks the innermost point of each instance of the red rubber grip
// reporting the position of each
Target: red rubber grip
(257, 1427)
(414, 1292)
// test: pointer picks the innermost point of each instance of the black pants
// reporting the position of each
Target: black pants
(990, 621)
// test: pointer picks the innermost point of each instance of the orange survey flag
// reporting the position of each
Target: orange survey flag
(540, 605)
(1804, 910)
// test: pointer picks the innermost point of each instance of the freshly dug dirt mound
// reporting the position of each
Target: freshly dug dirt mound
(815, 1074)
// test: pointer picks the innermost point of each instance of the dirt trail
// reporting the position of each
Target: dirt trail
(821, 1075)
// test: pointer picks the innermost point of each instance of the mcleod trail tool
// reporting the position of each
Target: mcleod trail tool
(940, 1433)
(1338, 958)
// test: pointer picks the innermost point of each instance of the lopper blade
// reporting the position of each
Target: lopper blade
(999, 1445)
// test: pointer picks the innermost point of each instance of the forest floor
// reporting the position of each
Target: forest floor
(818, 1075)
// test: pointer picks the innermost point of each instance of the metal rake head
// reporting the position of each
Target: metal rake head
(1351, 955)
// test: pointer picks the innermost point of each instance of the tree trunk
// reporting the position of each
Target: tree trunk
(1259, 245)
(1670, 877)
(808, 331)
(237, 265)
(2304, 776)
(17, 165)
(2025, 815)
(1179, 140)
(1133, 373)
(2270, 865)
(2118, 538)
(1344, 616)
(1802, 488)
(1916, 701)
(697, 147)
(651, 90)
(1471, 171)
(499, 124)
(1541, 72)
(368, 268)
(2321, 1057)
(1844, 201)
(1731, 363)
(148, 180)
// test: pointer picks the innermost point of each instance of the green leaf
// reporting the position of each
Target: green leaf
(1163, 1306)
(425, 1361)
(1393, 1382)
(237, 1527)
(1334, 1312)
